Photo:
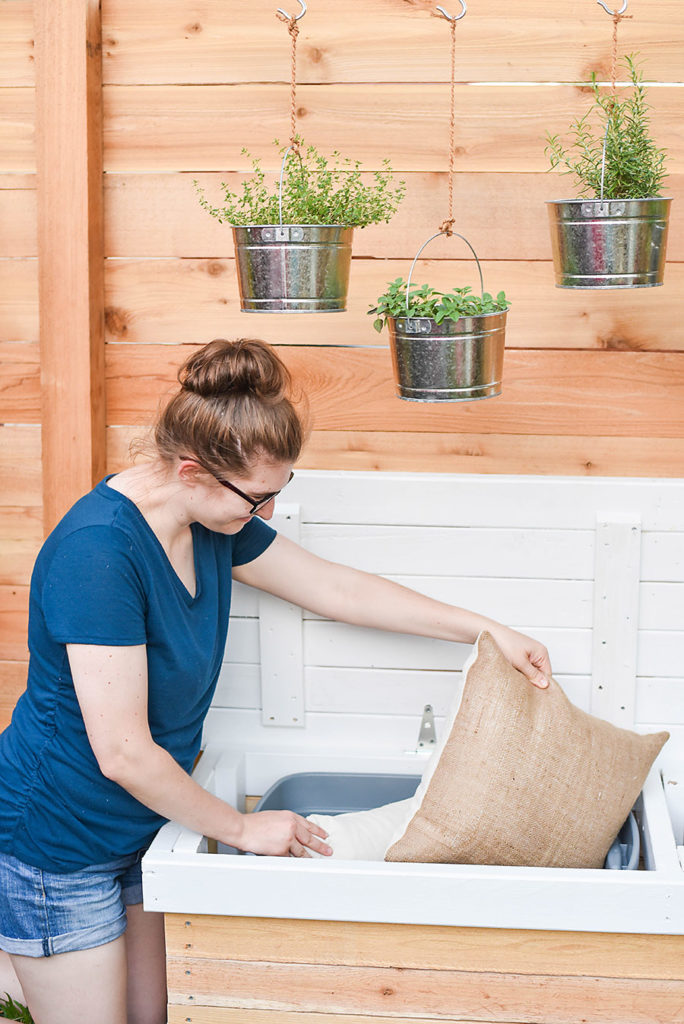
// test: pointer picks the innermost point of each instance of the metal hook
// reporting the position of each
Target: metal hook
(457, 17)
(297, 16)
(607, 9)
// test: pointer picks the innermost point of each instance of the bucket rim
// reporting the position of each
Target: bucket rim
(448, 319)
(292, 224)
(597, 199)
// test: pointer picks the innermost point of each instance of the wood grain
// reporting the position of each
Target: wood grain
(193, 301)
(446, 994)
(186, 1014)
(636, 394)
(216, 42)
(13, 622)
(17, 64)
(21, 534)
(12, 685)
(71, 265)
(19, 382)
(503, 213)
(20, 465)
(19, 306)
(422, 947)
(17, 128)
(18, 215)
(500, 128)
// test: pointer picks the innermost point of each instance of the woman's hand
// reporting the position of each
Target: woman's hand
(527, 655)
(281, 834)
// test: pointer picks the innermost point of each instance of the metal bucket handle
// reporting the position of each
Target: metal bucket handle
(290, 149)
(430, 239)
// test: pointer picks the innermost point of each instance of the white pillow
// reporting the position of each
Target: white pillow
(363, 835)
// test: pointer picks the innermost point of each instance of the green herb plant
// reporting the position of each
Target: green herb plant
(634, 165)
(316, 190)
(11, 1010)
(425, 301)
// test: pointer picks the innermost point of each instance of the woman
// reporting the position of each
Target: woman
(130, 599)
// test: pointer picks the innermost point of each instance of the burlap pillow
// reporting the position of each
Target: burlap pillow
(523, 777)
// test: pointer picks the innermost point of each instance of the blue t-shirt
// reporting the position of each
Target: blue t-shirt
(102, 577)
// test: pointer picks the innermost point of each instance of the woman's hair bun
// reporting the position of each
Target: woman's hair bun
(245, 366)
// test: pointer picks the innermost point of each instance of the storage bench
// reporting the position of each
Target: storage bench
(592, 567)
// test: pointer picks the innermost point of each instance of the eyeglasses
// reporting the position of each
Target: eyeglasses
(255, 503)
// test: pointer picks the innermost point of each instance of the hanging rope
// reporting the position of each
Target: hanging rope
(617, 18)
(293, 29)
(446, 227)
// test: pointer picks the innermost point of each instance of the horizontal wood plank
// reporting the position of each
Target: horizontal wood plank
(241, 41)
(12, 685)
(18, 215)
(19, 306)
(17, 64)
(21, 534)
(13, 622)
(19, 382)
(467, 453)
(422, 947)
(446, 994)
(17, 133)
(502, 213)
(184, 1014)
(500, 128)
(619, 393)
(193, 301)
(20, 465)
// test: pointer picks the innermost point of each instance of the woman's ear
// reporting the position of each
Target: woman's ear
(190, 472)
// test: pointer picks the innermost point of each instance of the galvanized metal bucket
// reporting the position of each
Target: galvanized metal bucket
(455, 361)
(293, 268)
(609, 243)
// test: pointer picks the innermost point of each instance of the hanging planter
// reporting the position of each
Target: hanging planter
(293, 242)
(616, 236)
(446, 346)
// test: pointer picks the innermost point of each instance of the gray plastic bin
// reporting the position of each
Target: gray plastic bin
(341, 792)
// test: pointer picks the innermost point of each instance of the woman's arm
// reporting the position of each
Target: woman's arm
(111, 686)
(348, 595)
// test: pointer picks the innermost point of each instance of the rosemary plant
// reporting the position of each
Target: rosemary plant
(425, 301)
(316, 190)
(634, 165)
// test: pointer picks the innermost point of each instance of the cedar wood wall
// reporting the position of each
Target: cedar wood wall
(593, 382)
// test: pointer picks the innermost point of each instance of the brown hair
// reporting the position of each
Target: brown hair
(234, 406)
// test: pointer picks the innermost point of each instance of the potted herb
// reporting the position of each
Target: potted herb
(615, 236)
(293, 238)
(446, 346)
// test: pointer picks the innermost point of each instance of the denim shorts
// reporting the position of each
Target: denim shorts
(43, 913)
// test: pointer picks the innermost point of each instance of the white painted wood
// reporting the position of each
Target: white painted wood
(616, 618)
(460, 551)
(281, 653)
(547, 898)
(523, 550)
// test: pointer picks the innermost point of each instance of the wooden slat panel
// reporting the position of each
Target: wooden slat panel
(18, 215)
(12, 685)
(17, 135)
(240, 41)
(13, 622)
(185, 1014)
(162, 301)
(16, 66)
(468, 453)
(19, 306)
(21, 534)
(618, 393)
(502, 213)
(447, 994)
(425, 947)
(500, 128)
(70, 239)
(19, 382)
(20, 465)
